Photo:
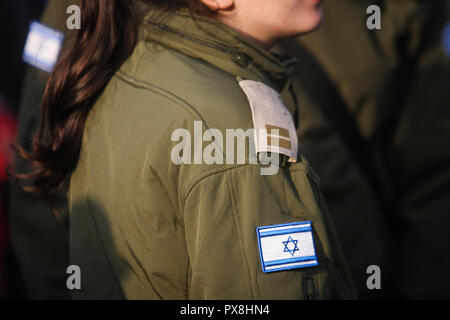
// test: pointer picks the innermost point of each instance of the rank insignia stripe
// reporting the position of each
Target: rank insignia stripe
(283, 132)
(286, 246)
(42, 47)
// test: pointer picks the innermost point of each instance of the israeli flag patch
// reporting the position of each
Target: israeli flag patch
(43, 46)
(286, 246)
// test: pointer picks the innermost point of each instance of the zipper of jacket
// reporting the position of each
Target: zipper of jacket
(202, 42)
(238, 57)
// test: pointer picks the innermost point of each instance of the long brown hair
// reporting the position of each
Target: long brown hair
(107, 38)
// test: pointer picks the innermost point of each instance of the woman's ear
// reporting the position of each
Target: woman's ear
(216, 5)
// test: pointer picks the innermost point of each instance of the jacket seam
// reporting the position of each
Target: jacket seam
(204, 175)
(239, 232)
(193, 113)
(162, 92)
(208, 173)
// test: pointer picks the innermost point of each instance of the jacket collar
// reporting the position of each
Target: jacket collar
(209, 40)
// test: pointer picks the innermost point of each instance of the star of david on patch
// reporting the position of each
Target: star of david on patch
(286, 246)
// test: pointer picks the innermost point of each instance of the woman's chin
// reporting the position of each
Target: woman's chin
(317, 18)
(313, 21)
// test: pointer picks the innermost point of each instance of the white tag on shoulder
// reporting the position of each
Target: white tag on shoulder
(273, 124)
(43, 46)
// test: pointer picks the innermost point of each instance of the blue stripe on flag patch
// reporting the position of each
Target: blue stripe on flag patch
(43, 46)
(286, 246)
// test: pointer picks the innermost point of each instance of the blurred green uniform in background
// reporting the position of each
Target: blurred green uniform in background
(375, 125)
(39, 241)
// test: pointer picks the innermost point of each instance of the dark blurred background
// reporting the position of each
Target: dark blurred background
(15, 18)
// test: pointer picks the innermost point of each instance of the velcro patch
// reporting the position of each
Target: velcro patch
(43, 46)
(286, 246)
(274, 127)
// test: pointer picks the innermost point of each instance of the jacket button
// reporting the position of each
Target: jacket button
(240, 59)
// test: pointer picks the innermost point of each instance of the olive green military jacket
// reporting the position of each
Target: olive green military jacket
(143, 227)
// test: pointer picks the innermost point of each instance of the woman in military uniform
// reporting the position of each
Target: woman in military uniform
(146, 226)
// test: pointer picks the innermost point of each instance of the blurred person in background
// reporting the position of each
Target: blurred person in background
(15, 17)
(39, 240)
(375, 124)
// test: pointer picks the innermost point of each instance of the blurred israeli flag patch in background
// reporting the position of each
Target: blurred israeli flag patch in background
(446, 39)
(43, 46)
(286, 246)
